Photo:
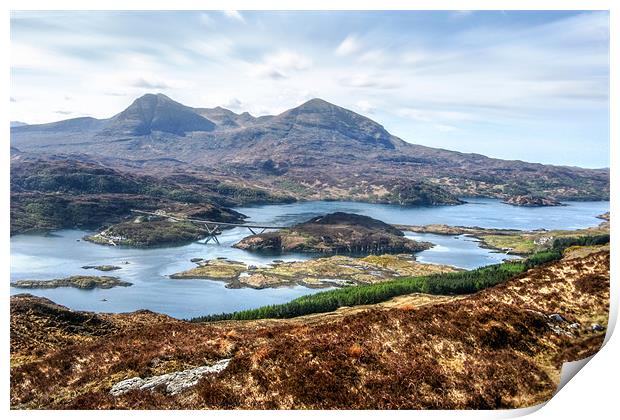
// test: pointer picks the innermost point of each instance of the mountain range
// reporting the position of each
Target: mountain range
(317, 150)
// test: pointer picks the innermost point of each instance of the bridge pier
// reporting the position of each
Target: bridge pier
(212, 234)
(211, 226)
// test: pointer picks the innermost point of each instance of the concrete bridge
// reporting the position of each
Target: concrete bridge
(211, 225)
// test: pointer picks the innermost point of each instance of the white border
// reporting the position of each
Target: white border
(591, 395)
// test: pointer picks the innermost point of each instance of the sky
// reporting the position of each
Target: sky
(532, 86)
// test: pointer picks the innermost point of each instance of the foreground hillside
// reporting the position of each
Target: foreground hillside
(502, 347)
(316, 150)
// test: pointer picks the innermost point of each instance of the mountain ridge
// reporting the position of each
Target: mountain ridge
(316, 150)
(206, 112)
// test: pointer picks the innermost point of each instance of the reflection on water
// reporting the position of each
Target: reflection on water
(460, 251)
(481, 212)
(63, 253)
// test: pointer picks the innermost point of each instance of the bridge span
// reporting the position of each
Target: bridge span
(212, 226)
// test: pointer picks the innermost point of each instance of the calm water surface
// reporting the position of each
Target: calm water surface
(62, 253)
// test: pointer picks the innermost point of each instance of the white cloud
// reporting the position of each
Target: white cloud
(213, 47)
(265, 71)
(27, 55)
(235, 15)
(365, 107)
(130, 82)
(415, 57)
(232, 104)
(281, 64)
(376, 56)
(288, 60)
(551, 70)
(427, 115)
(150, 84)
(348, 46)
(370, 81)
(135, 61)
(445, 128)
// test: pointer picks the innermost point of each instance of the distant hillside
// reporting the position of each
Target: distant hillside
(314, 151)
(48, 194)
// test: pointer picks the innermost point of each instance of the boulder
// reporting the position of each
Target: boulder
(556, 318)
(173, 383)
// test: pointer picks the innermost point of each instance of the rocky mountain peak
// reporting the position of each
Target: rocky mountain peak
(320, 114)
(316, 104)
(157, 112)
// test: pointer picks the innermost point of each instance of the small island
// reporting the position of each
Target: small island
(333, 271)
(104, 267)
(79, 282)
(531, 201)
(165, 227)
(335, 233)
(142, 233)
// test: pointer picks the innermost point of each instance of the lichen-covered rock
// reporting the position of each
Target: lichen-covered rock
(173, 383)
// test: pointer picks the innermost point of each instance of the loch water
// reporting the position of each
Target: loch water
(63, 253)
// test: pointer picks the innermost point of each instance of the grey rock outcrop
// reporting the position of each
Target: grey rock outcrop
(556, 318)
(173, 383)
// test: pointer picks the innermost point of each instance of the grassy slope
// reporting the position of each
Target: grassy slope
(492, 349)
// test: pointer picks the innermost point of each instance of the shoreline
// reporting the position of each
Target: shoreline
(316, 273)
(487, 236)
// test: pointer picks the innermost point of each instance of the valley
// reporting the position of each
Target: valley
(392, 260)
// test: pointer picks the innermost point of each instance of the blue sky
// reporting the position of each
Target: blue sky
(516, 85)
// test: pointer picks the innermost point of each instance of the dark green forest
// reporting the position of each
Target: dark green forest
(459, 283)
